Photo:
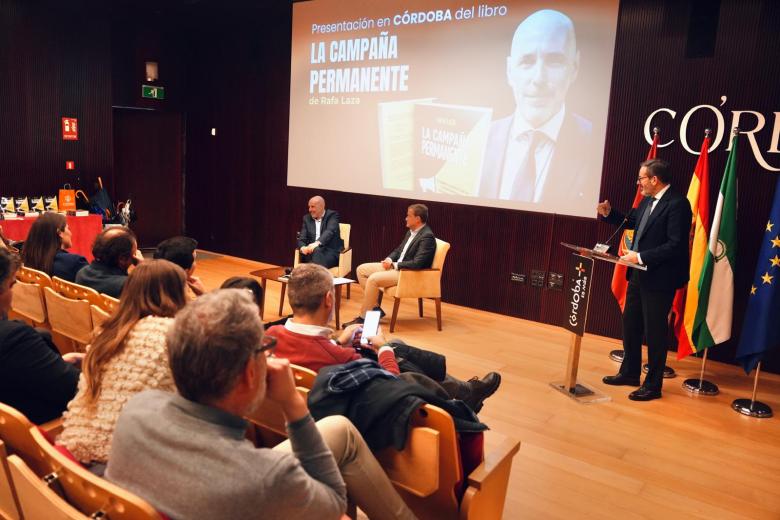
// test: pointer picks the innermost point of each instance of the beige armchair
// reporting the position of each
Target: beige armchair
(345, 257)
(420, 283)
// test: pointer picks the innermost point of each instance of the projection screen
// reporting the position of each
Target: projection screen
(499, 105)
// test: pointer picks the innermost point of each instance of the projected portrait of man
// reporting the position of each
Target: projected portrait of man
(540, 154)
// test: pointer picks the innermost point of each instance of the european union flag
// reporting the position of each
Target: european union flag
(760, 330)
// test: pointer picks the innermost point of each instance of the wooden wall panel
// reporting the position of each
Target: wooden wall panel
(54, 62)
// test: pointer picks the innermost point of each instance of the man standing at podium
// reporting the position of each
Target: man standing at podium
(662, 224)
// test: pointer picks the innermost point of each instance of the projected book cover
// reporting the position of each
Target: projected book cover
(432, 147)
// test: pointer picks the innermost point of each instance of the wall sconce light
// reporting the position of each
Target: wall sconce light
(151, 71)
(213, 131)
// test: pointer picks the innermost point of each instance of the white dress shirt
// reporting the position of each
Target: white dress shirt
(412, 234)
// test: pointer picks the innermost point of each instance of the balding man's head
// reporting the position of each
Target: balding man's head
(316, 207)
(115, 247)
(542, 65)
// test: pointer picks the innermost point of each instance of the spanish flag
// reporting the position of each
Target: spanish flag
(684, 307)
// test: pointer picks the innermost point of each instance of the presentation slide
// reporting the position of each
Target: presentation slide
(490, 104)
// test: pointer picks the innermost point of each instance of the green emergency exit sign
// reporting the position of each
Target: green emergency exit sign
(151, 92)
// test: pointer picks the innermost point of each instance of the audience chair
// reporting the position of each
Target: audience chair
(106, 303)
(90, 494)
(420, 283)
(28, 302)
(27, 275)
(102, 310)
(69, 311)
(9, 503)
(345, 257)
(36, 500)
(15, 433)
(428, 471)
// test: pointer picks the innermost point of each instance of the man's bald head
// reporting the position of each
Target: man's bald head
(316, 207)
(543, 64)
(115, 247)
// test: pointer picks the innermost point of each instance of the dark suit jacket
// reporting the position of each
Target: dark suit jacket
(330, 236)
(66, 265)
(33, 377)
(664, 244)
(421, 251)
(570, 172)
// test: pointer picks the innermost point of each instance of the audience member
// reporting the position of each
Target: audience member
(306, 340)
(34, 379)
(416, 251)
(187, 455)
(182, 252)
(45, 248)
(127, 357)
(320, 238)
(115, 250)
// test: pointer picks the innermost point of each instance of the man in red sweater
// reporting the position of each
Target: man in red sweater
(306, 340)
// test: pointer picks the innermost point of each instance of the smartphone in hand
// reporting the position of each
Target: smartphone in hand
(370, 326)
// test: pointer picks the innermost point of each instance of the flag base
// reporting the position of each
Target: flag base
(617, 355)
(755, 409)
(700, 387)
(581, 393)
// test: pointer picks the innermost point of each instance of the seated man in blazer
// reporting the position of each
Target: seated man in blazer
(320, 238)
(416, 251)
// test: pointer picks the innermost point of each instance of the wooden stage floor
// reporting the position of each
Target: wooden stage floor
(677, 457)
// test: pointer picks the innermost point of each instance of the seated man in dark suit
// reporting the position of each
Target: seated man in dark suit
(416, 251)
(320, 238)
(115, 250)
(34, 378)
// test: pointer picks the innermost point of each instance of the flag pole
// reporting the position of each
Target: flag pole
(750, 406)
(701, 386)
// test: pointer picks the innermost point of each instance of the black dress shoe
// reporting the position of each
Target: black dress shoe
(381, 312)
(356, 321)
(644, 394)
(481, 389)
(621, 380)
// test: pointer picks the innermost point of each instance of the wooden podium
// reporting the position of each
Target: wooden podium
(580, 276)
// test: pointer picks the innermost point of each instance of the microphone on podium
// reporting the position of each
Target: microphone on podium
(604, 247)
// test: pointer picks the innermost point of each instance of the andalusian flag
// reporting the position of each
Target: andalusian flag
(619, 282)
(699, 197)
(712, 323)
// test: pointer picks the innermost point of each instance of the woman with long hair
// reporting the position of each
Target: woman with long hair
(45, 248)
(128, 356)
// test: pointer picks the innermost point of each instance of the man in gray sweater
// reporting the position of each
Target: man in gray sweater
(186, 453)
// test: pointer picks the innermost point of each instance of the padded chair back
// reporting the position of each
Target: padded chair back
(87, 492)
(442, 248)
(28, 301)
(27, 275)
(15, 433)
(36, 499)
(69, 317)
(344, 230)
(9, 506)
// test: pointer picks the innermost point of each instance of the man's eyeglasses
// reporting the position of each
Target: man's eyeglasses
(269, 342)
